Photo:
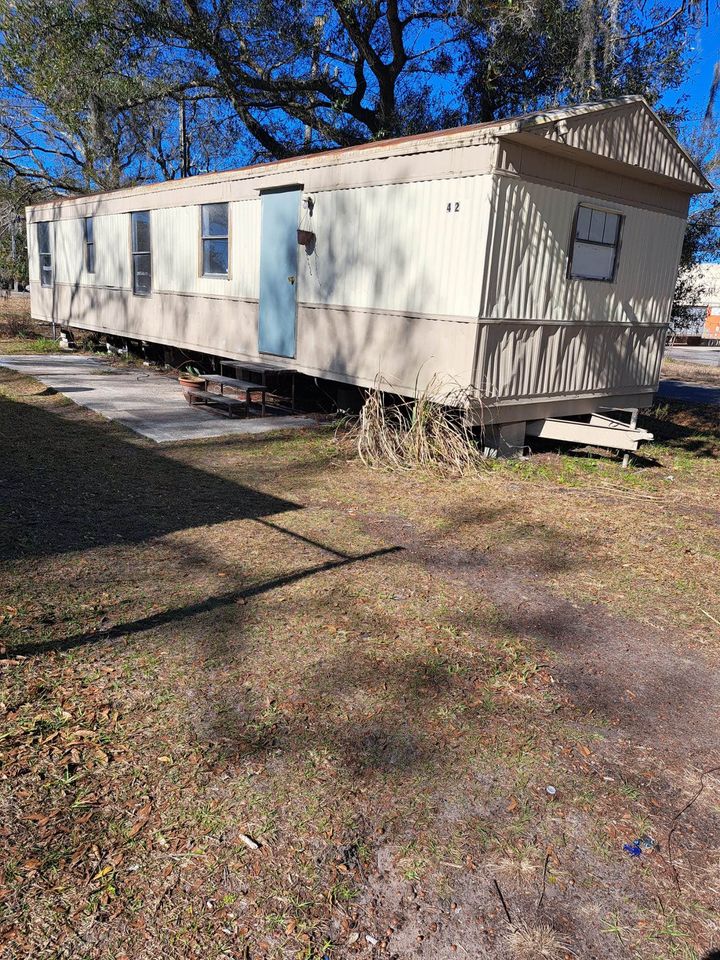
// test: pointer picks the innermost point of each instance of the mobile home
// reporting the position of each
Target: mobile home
(533, 258)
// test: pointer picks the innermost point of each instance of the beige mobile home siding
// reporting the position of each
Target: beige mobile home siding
(390, 289)
(176, 252)
(631, 133)
(112, 243)
(526, 266)
(33, 263)
(398, 248)
(544, 335)
(217, 325)
(393, 283)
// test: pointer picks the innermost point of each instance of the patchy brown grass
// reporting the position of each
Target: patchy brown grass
(372, 676)
(701, 373)
(18, 332)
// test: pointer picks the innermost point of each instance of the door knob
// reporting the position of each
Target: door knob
(291, 280)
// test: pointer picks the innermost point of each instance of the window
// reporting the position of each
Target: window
(43, 242)
(141, 261)
(214, 229)
(595, 244)
(89, 245)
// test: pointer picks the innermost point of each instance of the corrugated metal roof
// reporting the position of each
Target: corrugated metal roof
(671, 159)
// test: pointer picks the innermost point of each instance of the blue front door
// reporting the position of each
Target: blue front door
(278, 269)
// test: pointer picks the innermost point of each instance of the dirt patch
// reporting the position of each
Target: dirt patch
(372, 677)
(625, 675)
(649, 706)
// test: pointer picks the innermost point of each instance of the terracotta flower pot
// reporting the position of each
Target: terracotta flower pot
(188, 381)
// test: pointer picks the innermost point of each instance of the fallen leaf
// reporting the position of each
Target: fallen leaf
(141, 819)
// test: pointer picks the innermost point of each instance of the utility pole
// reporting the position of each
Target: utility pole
(314, 64)
(184, 145)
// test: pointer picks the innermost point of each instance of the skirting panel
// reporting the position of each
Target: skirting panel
(520, 361)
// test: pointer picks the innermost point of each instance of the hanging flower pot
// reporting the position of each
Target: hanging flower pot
(306, 238)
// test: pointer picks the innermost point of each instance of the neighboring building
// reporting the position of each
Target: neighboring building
(534, 258)
(697, 319)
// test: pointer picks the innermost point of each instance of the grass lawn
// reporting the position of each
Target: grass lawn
(20, 334)
(260, 702)
(692, 372)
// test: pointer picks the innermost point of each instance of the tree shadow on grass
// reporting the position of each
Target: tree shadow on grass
(209, 604)
(684, 427)
(70, 485)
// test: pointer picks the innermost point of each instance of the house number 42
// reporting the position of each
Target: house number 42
(453, 207)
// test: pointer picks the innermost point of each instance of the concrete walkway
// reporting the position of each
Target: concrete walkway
(146, 402)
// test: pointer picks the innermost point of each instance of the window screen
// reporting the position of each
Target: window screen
(89, 245)
(595, 244)
(44, 253)
(141, 260)
(215, 243)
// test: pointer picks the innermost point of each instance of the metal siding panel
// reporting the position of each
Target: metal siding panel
(397, 247)
(67, 251)
(112, 251)
(552, 337)
(449, 155)
(627, 134)
(33, 262)
(176, 251)
(356, 345)
(223, 327)
(112, 248)
(530, 233)
(529, 360)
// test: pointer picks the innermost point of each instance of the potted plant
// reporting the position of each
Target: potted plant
(191, 379)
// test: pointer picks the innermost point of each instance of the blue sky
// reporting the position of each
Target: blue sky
(697, 85)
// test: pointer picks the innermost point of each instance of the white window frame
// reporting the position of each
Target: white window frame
(140, 253)
(614, 245)
(89, 244)
(204, 237)
(43, 226)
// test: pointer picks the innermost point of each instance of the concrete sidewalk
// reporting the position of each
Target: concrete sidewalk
(146, 402)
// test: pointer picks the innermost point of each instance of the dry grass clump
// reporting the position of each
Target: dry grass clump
(429, 431)
(15, 318)
(531, 941)
(15, 325)
(521, 869)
